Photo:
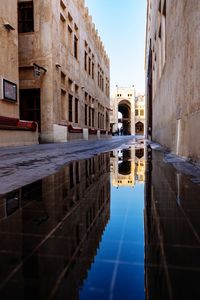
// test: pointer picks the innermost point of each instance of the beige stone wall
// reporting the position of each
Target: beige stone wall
(17, 138)
(176, 104)
(9, 54)
(51, 46)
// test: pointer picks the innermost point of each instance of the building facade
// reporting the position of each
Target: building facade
(56, 67)
(10, 132)
(63, 68)
(132, 109)
(172, 75)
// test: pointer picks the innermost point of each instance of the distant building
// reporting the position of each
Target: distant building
(132, 110)
(60, 67)
(172, 75)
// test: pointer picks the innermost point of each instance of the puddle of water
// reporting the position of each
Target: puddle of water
(121, 225)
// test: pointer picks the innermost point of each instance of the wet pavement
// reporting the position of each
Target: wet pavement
(119, 225)
(23, 165)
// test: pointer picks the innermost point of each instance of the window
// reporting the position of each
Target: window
(92, 70)
(89, 116)
(75, 47)
(63, 77)
(25, 17)
(136, 112)
(163, 40)
(93, 117)
(89, 66)
(142, 112)
(86, 114)
(76, 110)
(85, 59)
(70, 37)
(70, 108)
(98, 119)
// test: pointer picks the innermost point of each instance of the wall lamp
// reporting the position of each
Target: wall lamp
(8, 27)
(38, 69)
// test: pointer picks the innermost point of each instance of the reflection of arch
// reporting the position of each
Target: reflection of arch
(126, 154)
(139, 153)
(124, 168)
(139, 128)
(124, 107)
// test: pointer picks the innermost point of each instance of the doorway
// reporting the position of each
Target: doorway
(30, 106)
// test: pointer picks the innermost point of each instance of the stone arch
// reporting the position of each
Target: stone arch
(124, 107)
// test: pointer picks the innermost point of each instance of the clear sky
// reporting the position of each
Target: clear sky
(121, 25)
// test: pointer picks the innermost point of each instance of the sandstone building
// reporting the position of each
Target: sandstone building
(59, 66)
(63, 68)
(131, 107)
(172, 75)
(12, 130)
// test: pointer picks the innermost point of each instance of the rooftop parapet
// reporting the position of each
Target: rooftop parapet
(92, 29)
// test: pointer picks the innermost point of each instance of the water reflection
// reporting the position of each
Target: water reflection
(50, 231)
(172, 232)
(128, 166)
(88, 233)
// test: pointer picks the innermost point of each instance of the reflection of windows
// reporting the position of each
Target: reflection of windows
(71, 175)
(12, 202)
(139, 153)
(25, 17)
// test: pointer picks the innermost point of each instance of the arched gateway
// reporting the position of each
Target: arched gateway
(124, 107)
(128, 112)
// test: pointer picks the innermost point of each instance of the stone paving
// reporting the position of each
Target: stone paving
(22, 165)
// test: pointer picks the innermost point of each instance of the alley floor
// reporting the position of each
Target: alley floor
(22, 165)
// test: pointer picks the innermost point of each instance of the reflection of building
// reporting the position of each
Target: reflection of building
(73, 208)
(127, 167)
(123, 168)
(171, 229)
(132, 109)
(172, 75)
(139, 164)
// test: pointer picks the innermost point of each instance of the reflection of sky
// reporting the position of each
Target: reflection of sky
(118, 268)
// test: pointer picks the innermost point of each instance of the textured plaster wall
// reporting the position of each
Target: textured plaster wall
(49, 46)
(9, 53)
(177, 95)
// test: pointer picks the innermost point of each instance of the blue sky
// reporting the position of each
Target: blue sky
(121, 26)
